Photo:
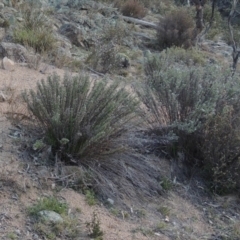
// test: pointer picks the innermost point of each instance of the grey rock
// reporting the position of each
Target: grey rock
(18, 53)
(8, 64)
(50, 216)
(110, 201)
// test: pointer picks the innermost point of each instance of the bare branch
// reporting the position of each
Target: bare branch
(236, 52)
(140, 22)
(207, 28)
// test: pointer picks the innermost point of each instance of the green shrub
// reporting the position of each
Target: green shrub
(94, 228)
(90, 197)
(66, 229)
(80, 116)
(34, 31)
(199, 108)
(175, 29)
(220, 148)
(48, 203)
(218, 22)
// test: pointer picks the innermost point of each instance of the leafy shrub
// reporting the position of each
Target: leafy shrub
(221, 150)
(200, 107)
(175, 29)
(90, 197)
(34, 31)
(80, 116)
(66, 229)
(217, 25)
(50, 203)
(94, 228)
(133, 8)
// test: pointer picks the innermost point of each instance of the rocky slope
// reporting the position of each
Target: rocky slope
(80, 28)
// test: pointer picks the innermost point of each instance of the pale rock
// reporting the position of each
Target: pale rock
(8, 64)
(51, 216)
(110, 201)
(2, 97)
(20, 54)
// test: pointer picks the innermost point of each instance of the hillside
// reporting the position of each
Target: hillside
(140, 181)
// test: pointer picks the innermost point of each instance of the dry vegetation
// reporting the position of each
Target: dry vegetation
(170, 131)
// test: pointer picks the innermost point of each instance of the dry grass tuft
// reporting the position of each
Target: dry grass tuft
(176, 29)
(133, 8)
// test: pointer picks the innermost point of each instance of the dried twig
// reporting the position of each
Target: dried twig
(236, 52)
(140, 22)
(208, 27)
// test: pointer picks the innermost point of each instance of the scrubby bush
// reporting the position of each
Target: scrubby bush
(155, 6)
(34, 31)
(175, 29)
(133, 8)
(199, 109)
(218, 23)
(4, 23)
(80, 116)
(105, 54)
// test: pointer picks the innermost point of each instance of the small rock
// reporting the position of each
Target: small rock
(166, 219)
(51, 216)
(8, 64)
(2, 97)
(18, 232)
(20, 19)
(109, 200)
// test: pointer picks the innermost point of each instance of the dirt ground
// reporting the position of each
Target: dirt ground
(185, 212)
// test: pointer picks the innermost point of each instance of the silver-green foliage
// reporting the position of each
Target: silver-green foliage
(79, 115)
(201, 106)
(180, 94)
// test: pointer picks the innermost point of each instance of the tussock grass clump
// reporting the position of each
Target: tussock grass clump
(175, 29)
(34, 32)
(199, 110)
(80, 116)
(133, 8)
